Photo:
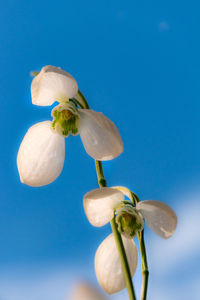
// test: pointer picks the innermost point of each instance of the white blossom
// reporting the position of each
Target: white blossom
(158, 215)
(40, 160)
(100, 206)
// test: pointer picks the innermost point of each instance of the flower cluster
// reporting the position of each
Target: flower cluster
(41, 155)
(101, 205)
(40, 161)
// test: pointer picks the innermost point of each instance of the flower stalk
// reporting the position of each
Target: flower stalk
(117, 236)
(145, 271)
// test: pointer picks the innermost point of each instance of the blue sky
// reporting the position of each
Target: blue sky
(137, 62)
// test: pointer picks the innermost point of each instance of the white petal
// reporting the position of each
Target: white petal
(158, 216)
(85, 291)
(108, 266)
(100, 203)
(52, 84)
(41, 155)
(100, 136)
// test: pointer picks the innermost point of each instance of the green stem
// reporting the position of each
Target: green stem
(100, 175)
(123, 259)
(118, 239)
(85, 103)
(145, 271)
(117, 236)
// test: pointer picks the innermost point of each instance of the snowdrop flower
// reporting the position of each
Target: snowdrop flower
(41, 155)
(85, 291)
(100, 206)
(99, 135)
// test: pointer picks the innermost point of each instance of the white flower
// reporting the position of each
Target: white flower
(100, 205)
(108, 265)
(100, 136)
(41, 155)
(85, 291)
(42, 162)
(158, 215)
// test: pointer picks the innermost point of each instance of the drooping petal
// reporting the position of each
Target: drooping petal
(41, 155)
(159, 217)
(108, 266)
(100, 136)
(100, 203)
(52, 84)
(85, 291)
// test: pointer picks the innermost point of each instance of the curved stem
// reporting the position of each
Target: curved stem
(85, 103)
(117, 236)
